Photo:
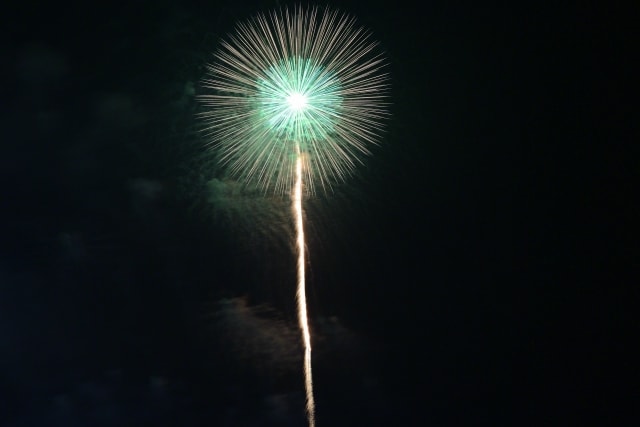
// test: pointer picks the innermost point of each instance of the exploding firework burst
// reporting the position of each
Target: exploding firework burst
(295, 84)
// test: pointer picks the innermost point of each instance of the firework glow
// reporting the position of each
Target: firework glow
(304, 79)
(295, 99)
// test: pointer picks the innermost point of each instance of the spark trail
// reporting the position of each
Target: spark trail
(301, 289)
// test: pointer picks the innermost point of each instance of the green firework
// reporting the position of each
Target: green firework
(308, 82)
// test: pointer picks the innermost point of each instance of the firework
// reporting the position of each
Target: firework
(296, 98)
(308, 81)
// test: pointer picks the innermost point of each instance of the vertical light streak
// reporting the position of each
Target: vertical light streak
(301, 292)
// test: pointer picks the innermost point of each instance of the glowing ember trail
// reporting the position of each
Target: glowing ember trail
(301, 293)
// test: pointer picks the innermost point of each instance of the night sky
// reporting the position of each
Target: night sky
(480, 269)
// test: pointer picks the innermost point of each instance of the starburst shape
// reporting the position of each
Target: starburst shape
(307, 84)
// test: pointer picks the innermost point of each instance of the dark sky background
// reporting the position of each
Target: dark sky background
(479, 270)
